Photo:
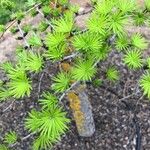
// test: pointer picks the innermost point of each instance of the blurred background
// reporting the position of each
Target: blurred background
(9, 7)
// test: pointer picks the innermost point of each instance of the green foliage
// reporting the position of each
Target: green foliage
(5, 16)
(22, 56)
(50, 124)
(2, 28)
(139, 18)
(13, 72)
(42, 26)
(46, 10)
(117, 23)
(61, 82)
(87, 42)
(126, 5)
(104, 7)
(100, 54)
(148, 62)
(56, 43)
(4, 94)
(48, 100)
(138, 41)
(97, 82)
(63, 2)
(19, 50)
(56, 39)
(83, 70)
(17, 72)
(147, 4)
(55, 54)
(35, 41)
(133, 59)
(30, 2)
(20, 87)
(26, 28)
(10, 137)
(122, 43)
(13, 30)
(19, 15)
(43, 142)
(6, 4)
(33, 13)
(34, 62)
(8, 7)
(7, 66)
(98, 23)
(56, 46)
(112, 74)
(3, 147)
(67, 22)
(145, 83)
(74, 8)
(19, 83)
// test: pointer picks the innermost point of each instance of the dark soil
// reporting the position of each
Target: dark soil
(121, 123)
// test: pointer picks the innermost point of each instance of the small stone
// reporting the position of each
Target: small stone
(76, 144)
(82, 111)
(81, 10)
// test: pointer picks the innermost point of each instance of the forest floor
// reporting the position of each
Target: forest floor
(121, 113)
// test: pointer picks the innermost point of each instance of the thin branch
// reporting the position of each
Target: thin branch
(128, 96)
(95, 64)
(51, 76)
(9, 106)
(40, 82)
(26, 137)
(22, 139)
(21, 32)
(72, 86)
(70, 56)
(11, 24)
(47, 21)
(79, 32)
(137, 91)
